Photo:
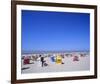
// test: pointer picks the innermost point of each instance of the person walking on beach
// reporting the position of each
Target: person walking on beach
(42, 61)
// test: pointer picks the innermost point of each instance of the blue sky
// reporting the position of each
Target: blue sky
(45, 30)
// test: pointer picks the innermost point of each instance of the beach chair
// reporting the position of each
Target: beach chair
(82, 55)
(52, 59)
(58, 59)
(26, 61)
(76, 58)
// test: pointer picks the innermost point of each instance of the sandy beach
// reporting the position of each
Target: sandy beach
(82, 64)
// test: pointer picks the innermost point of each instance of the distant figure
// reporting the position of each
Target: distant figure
(42, 61)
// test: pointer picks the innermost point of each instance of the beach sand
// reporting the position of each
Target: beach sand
(69, 65)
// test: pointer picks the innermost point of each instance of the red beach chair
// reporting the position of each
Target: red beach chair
(26, 61)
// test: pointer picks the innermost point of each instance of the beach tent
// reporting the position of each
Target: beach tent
(59, 59)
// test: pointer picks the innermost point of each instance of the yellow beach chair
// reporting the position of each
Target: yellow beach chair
(58, 59)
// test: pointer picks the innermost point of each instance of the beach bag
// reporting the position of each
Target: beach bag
(45, 64)
(62, 62)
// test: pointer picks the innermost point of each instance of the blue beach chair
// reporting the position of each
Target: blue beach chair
(52, 59)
